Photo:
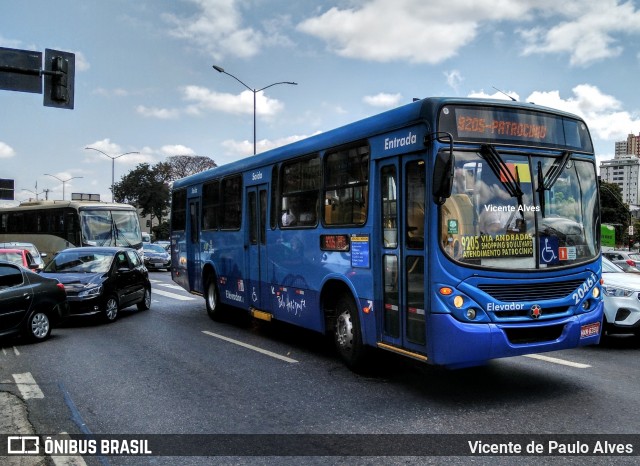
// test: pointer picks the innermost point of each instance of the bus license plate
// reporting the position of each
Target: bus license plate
(590, 330)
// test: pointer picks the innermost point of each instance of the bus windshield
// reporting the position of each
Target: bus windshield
(102, 227)
(521, 211)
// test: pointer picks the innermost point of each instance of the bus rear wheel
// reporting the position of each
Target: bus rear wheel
(211, 299)
(347, 334)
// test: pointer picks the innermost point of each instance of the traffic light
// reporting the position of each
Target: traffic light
(60, 81)
(59, 77)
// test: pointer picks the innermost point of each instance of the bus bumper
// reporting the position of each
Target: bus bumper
(456, 344)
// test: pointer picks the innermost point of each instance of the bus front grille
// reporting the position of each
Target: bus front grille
(521, 336)
(531, 291)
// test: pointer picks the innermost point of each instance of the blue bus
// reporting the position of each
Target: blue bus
(449, 230)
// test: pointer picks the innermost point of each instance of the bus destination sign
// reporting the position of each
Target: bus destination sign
(513, 126)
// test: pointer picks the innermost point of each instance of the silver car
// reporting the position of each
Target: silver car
(621, 293)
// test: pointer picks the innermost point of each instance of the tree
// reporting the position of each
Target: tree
(185, 165)
(147, 188)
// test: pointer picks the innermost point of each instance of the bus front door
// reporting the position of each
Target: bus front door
(402, 203)
(256, 245)
(194, 260)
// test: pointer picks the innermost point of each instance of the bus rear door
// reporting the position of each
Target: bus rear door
(402, 203)
(194, 259)
(256, 244)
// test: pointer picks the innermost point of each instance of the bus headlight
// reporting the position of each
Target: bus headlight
(471, 313)
(458, 301)
(596, 292)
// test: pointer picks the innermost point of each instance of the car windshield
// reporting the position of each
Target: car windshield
(608, 266)
(80, 262)
(521, 211)
(11, 256)
(153, 248)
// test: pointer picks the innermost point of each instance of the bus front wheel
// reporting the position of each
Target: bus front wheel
(347, 334)
(214, 308)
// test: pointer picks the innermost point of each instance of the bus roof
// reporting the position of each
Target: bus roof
(36, 205)
(406, 115)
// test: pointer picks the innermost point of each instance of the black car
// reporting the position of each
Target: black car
(101, 280)
(156, 257)
(29, 303)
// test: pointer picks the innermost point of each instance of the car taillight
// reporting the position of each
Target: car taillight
(631, 263)
(61, 287)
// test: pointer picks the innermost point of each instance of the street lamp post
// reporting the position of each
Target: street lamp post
(63, 181)
(113, 164)
(33, 192)
(219, 69)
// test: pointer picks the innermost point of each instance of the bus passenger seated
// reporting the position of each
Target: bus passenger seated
(288, 218)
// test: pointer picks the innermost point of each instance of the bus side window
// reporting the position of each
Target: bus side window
(347, 186)
(300, 183)
(388, 192)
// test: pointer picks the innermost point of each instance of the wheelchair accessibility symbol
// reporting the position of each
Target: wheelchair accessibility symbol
(548, 250)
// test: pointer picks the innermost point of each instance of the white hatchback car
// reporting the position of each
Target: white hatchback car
(621, 293)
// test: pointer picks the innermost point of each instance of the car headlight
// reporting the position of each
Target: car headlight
(616, 292)
(91, 292)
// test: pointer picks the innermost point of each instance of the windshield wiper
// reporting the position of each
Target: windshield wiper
(546, 182)
(510, 182)
(117, 235)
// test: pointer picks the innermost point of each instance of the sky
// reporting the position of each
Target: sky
(145, 80)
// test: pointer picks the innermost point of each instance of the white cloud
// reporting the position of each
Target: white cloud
(431, 32)
(176, 149)
(238, 149)
(216, 28)
(454, 79)
(82, 64)
(6, 151)
(412, 30)
(160, 113)
(383, 100)
(603, 113)
(500, 95)
(112, 150)
(204, 99)
(589, 32)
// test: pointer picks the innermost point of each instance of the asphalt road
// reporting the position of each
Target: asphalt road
(172, 370)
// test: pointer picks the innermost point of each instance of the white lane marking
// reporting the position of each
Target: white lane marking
(251, 347)
(27, 386)
(173, 287)
(167, 285)
(564, 362)
(67, 460)
(173, 295)
(15, 350)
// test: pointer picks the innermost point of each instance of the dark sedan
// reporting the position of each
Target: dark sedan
(101, 280)
(29, 303)
(156, 257)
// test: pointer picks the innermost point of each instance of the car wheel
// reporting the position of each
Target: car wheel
(347, 334)
(111, 309)
(38, 326)
(145, 304)
(214, 308)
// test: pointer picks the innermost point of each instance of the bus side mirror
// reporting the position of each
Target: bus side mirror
(443, 173)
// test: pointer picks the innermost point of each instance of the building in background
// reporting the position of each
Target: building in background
(624, 169)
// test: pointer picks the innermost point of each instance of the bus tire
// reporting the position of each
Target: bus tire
(348, 335)
(212, 299)
(38, 326)
(110, 312)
